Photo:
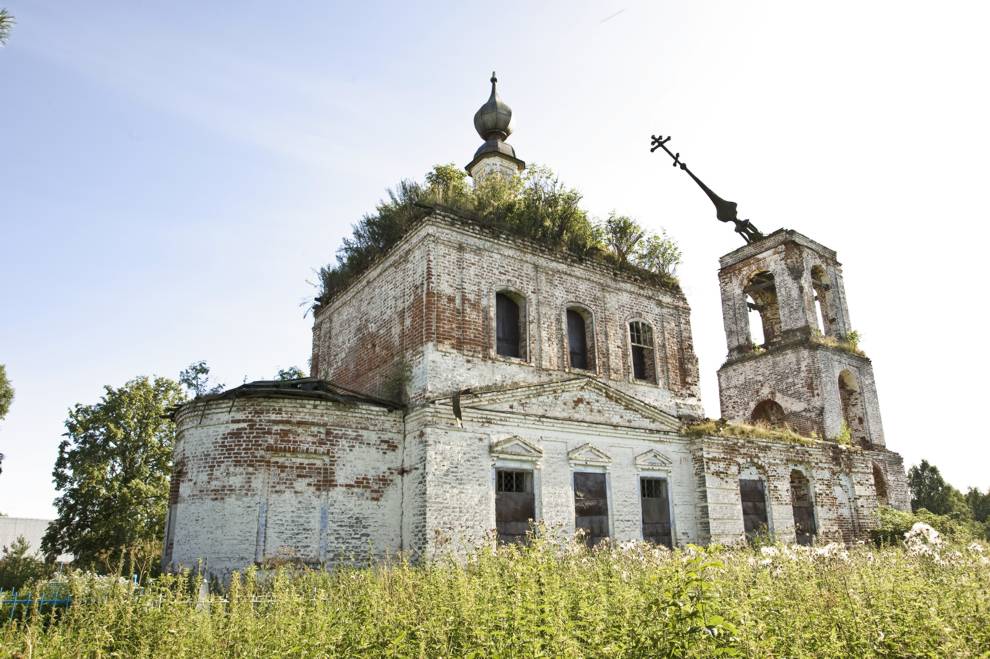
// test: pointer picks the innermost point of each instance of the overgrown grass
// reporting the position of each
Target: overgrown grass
(547, 600)
(722, 428)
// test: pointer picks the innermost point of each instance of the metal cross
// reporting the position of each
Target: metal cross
(725, 211)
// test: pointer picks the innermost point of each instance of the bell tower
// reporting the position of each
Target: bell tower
(792, 355)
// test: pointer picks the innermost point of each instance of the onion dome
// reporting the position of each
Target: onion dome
(493, 121)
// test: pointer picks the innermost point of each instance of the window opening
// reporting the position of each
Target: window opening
(804, 509)
(577, 339)
(515, 504)
(508, 330)
(761, 297)
(752, 492)
(643, 362)
(656, 511)
(591, 506)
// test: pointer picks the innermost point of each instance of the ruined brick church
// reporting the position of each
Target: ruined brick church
(538, 387)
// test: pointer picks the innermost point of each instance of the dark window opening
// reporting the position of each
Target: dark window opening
(881, 486)
(508, 326)
(591, 506)
(853, 414)
(577, 340)
(820, 286)
(641, 340)
(515, 504)
(762, 298)
(656, 511)
(804, 509)
(754, 507)
(768, 412)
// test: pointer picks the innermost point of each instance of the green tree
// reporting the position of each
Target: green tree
(979, 504)
(6, 398)
(291, 373)
(196, 378)
(659, 253)
(6, 22)
(19, 566)
(112, 473)
(930, 491)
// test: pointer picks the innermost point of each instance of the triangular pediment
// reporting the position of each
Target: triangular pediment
(653, 459)
(582, 400)
(586, 454)
(516, 448)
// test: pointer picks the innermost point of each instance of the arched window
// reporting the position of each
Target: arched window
(819, 284)
(579, 338)
(768, 412)
(803, 507)
(761, 297)
(852, 407)
(509, 318)
(644, 365)
(880, 483)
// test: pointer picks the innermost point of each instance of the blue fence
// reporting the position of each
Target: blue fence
(25, 603)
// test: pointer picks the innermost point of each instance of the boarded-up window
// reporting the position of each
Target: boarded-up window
(515, 504)
(803, 508)
(577, 339)
(591, 506)
(508, 332)
(656, 511)
(754, 506)
(641, 341)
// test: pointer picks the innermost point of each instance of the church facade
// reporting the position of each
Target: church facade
(472, 383)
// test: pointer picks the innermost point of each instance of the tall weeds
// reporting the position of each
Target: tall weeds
(543, 600)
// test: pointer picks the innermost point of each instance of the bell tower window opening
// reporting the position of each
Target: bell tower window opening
(853, 415)
(509, 330)
(580, 339)
(643, 360)
(880, 483)
(819, 285)
(761, 297)
(769, 413)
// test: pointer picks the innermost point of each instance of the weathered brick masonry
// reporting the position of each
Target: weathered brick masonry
(470, 383)
(314, 472)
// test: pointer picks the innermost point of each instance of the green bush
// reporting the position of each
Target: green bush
(894, 524)
(20, 567)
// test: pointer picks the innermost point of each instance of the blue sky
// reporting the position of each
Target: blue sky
(173, 174)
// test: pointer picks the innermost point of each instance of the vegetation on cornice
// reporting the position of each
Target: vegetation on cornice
(534, 206)
(849, 344)
(723, 428)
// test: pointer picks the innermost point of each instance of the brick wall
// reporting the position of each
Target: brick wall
(430, 303)
(268, 478)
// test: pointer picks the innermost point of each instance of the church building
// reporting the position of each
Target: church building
(538, 388)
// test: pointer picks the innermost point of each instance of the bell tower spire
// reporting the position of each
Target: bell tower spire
(493, 121)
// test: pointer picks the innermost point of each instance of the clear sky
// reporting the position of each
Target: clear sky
(173, 173)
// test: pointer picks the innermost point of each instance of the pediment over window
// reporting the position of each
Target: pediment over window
(516, 448)
(653, 459)
(586, 454)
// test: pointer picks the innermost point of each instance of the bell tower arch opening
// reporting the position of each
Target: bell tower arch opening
(761, 298)
(853, 414)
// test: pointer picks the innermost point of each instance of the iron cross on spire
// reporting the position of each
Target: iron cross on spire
(725, 210)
